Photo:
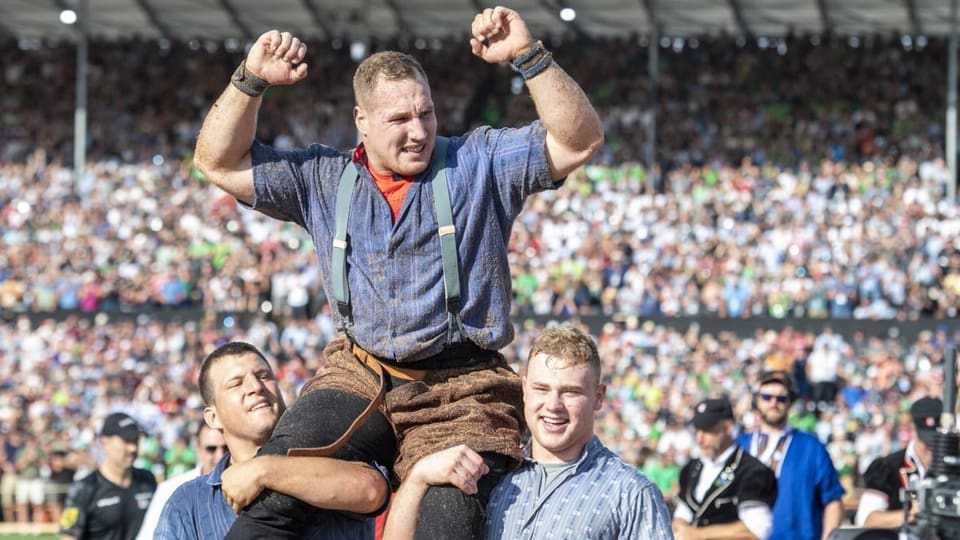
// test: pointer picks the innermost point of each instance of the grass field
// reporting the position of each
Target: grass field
(28, 531)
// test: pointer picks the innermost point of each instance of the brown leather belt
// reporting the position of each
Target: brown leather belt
(379, 369)
(376, 364)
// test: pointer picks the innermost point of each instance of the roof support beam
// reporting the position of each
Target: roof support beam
(228, 7)
(911, 7)
(317, 19)
(825, 16)
(154, 19)
(738, 16)
(402, 27)
(651, 8)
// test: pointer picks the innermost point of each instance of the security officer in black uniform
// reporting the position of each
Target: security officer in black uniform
(109, 503)
(726, 493)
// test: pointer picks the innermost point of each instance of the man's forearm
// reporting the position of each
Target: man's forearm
(884, 519)
(327, 483)
(404, 511)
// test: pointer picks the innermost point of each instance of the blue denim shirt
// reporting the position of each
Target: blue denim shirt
(197, 510)
(394, 271)
(600, 498)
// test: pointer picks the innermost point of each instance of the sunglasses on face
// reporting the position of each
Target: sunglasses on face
(211, 449)
(769, 397)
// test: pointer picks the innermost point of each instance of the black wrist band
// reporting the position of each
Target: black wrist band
(248, 83)
(533, 62)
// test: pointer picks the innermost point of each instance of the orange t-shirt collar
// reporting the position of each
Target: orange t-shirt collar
(393, 189)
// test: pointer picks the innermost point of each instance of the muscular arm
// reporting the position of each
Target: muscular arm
(327, 483)
(223, 145)
(574, 131)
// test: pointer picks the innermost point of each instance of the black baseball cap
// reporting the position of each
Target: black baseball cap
(926, 417)
(710, 411)
(780, 377)
(121, 425)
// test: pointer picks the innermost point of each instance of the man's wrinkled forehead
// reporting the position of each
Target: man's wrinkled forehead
(382, 81)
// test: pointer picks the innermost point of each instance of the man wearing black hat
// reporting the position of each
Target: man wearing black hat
(880, 505)
(726, 493)
(109, 503)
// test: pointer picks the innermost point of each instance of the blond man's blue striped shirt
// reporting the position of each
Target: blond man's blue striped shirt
(601, 498)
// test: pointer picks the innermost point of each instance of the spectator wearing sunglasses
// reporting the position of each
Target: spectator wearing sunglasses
(210, 450)
(808, 504)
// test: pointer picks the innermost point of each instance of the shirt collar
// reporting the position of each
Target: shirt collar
(912, 456)
(591, 449)
(721, 459)
(213, 478)
(359, 154)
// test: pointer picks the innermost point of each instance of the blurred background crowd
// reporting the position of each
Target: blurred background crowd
(797, 179)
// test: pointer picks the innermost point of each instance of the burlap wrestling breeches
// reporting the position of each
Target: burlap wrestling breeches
(480, 406)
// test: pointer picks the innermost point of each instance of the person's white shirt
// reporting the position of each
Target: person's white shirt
(164, 490)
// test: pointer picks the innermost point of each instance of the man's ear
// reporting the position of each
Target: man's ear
(601, 394)
(211, 418)
(360, 120)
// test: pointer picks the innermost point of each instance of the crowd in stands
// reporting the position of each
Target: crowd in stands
(800, 180)
(62, 377)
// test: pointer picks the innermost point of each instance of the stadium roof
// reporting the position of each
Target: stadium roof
(222, 19)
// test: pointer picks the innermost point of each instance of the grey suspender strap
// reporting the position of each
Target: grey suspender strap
(448, 241)
(338, 266)
(446, 230)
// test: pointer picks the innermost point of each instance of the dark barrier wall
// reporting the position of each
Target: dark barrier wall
(906, 331)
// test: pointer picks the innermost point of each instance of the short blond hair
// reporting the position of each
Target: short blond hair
(386, 65)
(570, 345)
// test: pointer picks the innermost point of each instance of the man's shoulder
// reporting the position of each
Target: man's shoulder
(143, 476)
(85, 485)
(749, 463)
(888, 463)
(805, 439)
(617, 469)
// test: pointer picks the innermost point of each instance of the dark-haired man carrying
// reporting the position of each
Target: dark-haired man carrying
(243, 401)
